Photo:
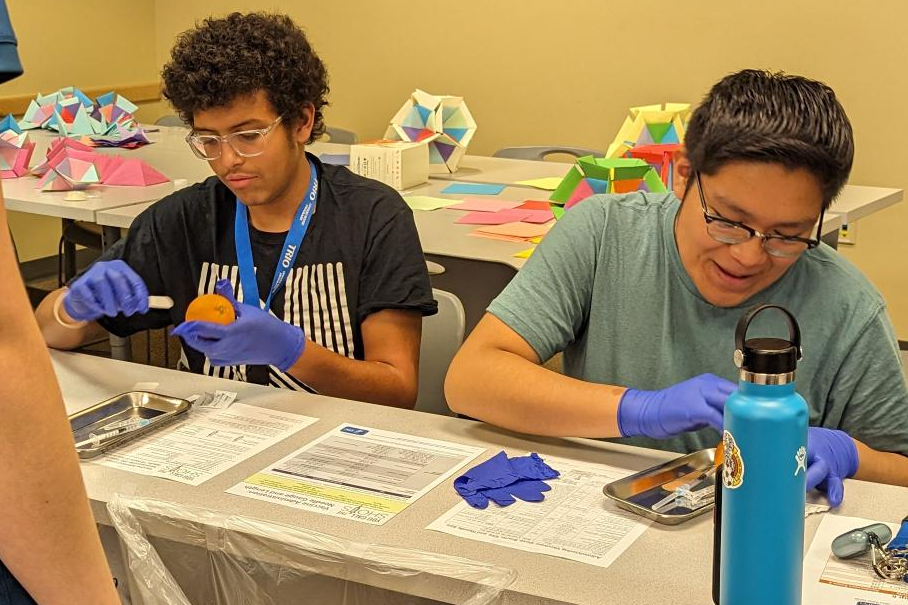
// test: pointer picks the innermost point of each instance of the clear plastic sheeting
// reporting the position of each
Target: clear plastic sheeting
(178, 555)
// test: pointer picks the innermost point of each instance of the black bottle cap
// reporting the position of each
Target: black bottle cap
(767, 355)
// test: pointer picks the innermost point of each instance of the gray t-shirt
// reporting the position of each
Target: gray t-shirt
(607, 287)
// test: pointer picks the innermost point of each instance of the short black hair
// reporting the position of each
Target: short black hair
(762, 116)
(237, 55)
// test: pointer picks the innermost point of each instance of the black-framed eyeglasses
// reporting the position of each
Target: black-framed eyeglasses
(245, 143)
(732, 232)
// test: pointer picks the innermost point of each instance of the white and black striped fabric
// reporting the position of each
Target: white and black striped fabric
(361, 255)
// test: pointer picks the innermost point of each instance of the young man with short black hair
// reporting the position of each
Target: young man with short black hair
(644, 290)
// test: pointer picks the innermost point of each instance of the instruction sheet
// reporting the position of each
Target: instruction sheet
(575, 521)
(206, 443)
(358, 473)
(829, 580)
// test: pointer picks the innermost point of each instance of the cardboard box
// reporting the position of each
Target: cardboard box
(396, 163)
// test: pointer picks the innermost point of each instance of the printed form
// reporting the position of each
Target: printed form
(575, 521)
(358, 473)
(206, 443)
(829, 580)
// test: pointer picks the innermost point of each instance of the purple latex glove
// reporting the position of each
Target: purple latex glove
(693, 404)
(831, 457)
(498, 473)
(255, 338)
(108, 288)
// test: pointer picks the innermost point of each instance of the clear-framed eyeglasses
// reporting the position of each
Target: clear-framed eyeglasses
(733, 232)
(245, 143)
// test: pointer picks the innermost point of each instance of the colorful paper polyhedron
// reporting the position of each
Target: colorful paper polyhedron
(591, 175)
(442, 121)
(74, 165)
(650, 125)
(71, 113)
(15, 149)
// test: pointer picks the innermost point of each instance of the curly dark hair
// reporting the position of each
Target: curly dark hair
(761, 116)
(237, 55)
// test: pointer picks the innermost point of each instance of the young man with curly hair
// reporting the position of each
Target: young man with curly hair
(326, 265)
(645, 290)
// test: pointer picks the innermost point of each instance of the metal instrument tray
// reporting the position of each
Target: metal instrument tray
(158, 409)
(638, 492)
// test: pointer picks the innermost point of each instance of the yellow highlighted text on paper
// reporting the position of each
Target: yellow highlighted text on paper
(333, 494)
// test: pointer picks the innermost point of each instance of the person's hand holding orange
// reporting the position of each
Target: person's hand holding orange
(255, 337)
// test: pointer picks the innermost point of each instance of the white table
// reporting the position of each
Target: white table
(476, 268)
(665, 565)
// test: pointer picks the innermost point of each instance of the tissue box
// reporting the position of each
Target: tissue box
(396, 163)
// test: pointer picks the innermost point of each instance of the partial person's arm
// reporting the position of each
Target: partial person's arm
(109, 288)
(387, 375)
(63, 332)
(881, 467)
(497, 377)
(48, 538)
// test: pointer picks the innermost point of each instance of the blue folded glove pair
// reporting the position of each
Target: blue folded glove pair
(502, 480)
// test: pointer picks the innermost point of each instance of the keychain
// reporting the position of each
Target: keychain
(888, 558)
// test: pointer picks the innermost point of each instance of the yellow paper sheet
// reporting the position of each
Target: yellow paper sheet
(549, 183)
(427, 202)
(525, 253)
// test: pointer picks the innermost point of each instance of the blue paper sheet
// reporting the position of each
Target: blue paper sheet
(473, 189)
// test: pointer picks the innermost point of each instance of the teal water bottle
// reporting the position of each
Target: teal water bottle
(764, 470)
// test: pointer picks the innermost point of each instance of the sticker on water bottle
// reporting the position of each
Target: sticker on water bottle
(801, 460)
(733, 465)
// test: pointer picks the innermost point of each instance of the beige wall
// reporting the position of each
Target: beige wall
(61, 44)
(545, 72)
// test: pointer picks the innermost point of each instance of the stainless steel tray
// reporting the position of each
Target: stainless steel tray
(638, 492)
(157, 409)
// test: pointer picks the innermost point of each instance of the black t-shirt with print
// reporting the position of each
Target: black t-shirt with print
(361, 254)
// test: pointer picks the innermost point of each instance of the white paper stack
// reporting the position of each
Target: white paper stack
(396, 163)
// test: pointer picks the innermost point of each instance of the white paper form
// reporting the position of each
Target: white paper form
(358, 473)
(575, 521)
(205, 444)
(832, 581)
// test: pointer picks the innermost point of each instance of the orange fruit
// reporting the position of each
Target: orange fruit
(211, 307)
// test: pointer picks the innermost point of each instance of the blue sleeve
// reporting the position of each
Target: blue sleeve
(10, 66)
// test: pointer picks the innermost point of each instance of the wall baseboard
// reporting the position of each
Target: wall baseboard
(137, 93)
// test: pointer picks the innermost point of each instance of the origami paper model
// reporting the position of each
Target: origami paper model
(659, 157)
(69, 173)
(122, 136)
(73, 165)
(71, 113)
(605, 175)
(15, 153)
(650, 125)
(114, 109)
(443, 122)
(133, 172)
(10, 123)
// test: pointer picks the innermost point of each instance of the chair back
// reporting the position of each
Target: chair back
(442, 335)
(170, 120)
(339, 135)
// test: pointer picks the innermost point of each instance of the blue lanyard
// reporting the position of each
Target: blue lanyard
(288, 252)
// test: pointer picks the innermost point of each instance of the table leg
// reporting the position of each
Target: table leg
(120, 347)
